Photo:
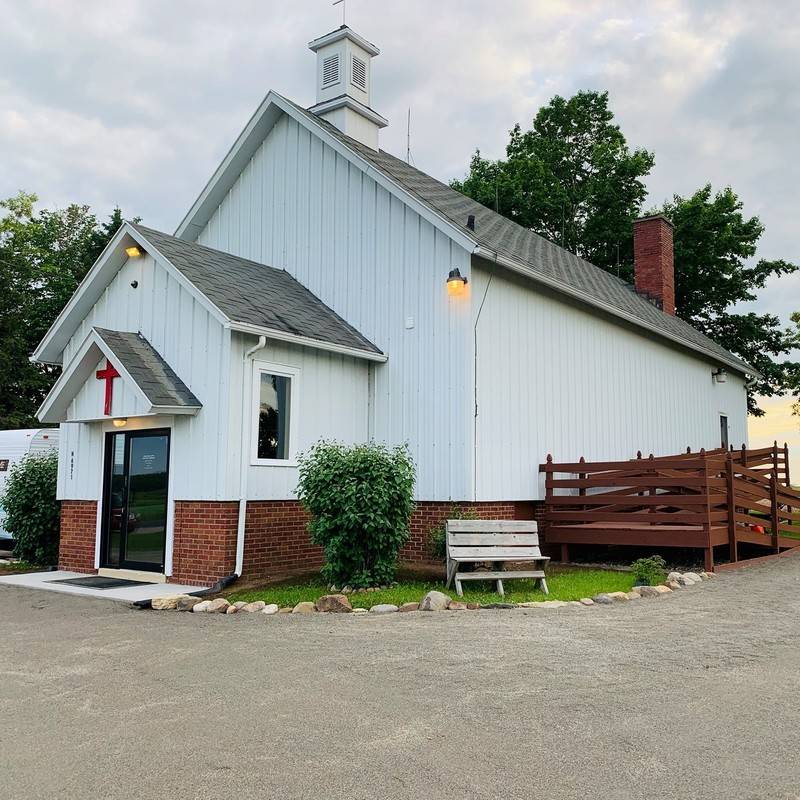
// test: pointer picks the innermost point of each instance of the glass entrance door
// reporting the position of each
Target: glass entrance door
(135, 502)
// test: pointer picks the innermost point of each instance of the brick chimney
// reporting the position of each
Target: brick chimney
(653, 264)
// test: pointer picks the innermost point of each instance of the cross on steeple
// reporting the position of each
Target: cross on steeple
(108, 374)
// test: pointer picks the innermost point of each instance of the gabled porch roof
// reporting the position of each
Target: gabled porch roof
(153, 382)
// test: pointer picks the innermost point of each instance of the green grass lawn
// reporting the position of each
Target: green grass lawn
(564, 584)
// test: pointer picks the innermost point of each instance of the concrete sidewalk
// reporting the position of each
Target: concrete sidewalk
(125, 594)
(693, 695)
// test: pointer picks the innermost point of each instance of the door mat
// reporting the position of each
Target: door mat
(100, 582)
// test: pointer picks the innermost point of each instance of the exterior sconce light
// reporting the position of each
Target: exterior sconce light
(455, 282)
(721, 375)
(133, 252)
(119, 423)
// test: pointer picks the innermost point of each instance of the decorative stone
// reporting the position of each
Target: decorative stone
(165, 603)
(704, 575)
(693, 576)
(434, 601)
(473, 606)
(232, 609)
(603, 599)
(673, 585)
(333, 589)
(647, 591)
(409, 607)
(285, 610)
(576, 603)
(218, 606)
(620, 597)
(201, 607)
(305, 607)
(240, 604)
(334, 604)
(347, 590)
(586, 601)
(383, 608)
(187, 603)
(712, 575)
(270, 609)
(685, 580)
(359, 610)
(455, 605)
(254, 607)
(499, 605)
(673, 576)
(663, 589)
(634, 595)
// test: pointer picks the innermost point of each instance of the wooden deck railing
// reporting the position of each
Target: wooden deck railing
(702, 500)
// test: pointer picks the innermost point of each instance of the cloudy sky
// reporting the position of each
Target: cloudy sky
(134, 102)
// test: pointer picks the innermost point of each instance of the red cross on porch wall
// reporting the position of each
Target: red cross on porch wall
(108, 374)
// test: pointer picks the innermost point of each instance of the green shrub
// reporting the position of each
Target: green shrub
(437, 538)
(360, 499)
(649, 571)
(32, 509)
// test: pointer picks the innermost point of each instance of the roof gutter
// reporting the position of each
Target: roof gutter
(521, 268)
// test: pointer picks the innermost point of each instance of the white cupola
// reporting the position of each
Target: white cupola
(344, 78)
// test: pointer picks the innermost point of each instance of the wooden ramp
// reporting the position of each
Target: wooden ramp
(692, 500)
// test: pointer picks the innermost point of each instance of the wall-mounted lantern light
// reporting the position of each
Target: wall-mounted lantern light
(119, 423)
(721, 375)
(134, 252)
(455, 282)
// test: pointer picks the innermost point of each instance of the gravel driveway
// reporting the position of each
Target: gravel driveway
(693, 695)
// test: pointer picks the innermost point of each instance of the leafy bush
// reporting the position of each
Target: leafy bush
(437, 538)
(649, 571)
(32, 509)
(360, 498)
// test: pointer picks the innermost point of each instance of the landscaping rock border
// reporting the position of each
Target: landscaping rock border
(433, 601)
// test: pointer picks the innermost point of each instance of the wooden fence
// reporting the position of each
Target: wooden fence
(699, 500)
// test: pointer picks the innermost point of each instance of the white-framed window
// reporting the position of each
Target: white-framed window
(274, 419)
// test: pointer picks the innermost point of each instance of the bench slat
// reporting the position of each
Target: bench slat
(485, 525)
(500, 576)
(495, 553)
(493, 539)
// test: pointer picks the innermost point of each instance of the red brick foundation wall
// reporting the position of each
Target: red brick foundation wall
(78, 534)
(277, 542)
(204, 544)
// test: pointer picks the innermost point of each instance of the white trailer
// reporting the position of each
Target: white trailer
(14, 446)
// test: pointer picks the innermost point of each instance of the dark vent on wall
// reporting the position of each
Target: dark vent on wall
(330, 70)
(359, 74)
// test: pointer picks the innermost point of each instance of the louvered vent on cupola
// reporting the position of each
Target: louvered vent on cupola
(330, 70)
(359, 74)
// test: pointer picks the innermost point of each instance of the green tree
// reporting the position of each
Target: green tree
(716, 267)
(571, 178)
(44, 255)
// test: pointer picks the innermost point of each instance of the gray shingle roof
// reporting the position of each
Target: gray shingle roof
(255, 294)
(152, 374)
(505, 237)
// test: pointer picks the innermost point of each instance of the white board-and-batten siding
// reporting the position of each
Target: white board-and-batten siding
(557, 378)
(301, 206)
(194, 343)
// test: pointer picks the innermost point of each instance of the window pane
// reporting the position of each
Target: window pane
(273, 416)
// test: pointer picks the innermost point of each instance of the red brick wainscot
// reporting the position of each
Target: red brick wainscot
(78, 533)
(277, 543)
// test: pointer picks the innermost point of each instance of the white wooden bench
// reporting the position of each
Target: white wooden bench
(472, 541)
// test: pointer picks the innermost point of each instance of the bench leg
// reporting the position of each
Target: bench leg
(500, 590)
(451, 571)
(459, 589)
(543, 585)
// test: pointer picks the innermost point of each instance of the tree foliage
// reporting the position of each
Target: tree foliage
(32, 509)
(360, 499)
(573, 179)
(43, 257)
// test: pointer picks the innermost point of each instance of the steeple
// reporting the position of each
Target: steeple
(344, 84)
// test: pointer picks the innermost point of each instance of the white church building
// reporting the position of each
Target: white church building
(322, 288)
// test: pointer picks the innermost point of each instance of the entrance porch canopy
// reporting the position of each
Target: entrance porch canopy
(145, 384)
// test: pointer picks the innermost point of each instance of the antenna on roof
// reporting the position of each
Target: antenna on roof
(408, 138)
(344, 9)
